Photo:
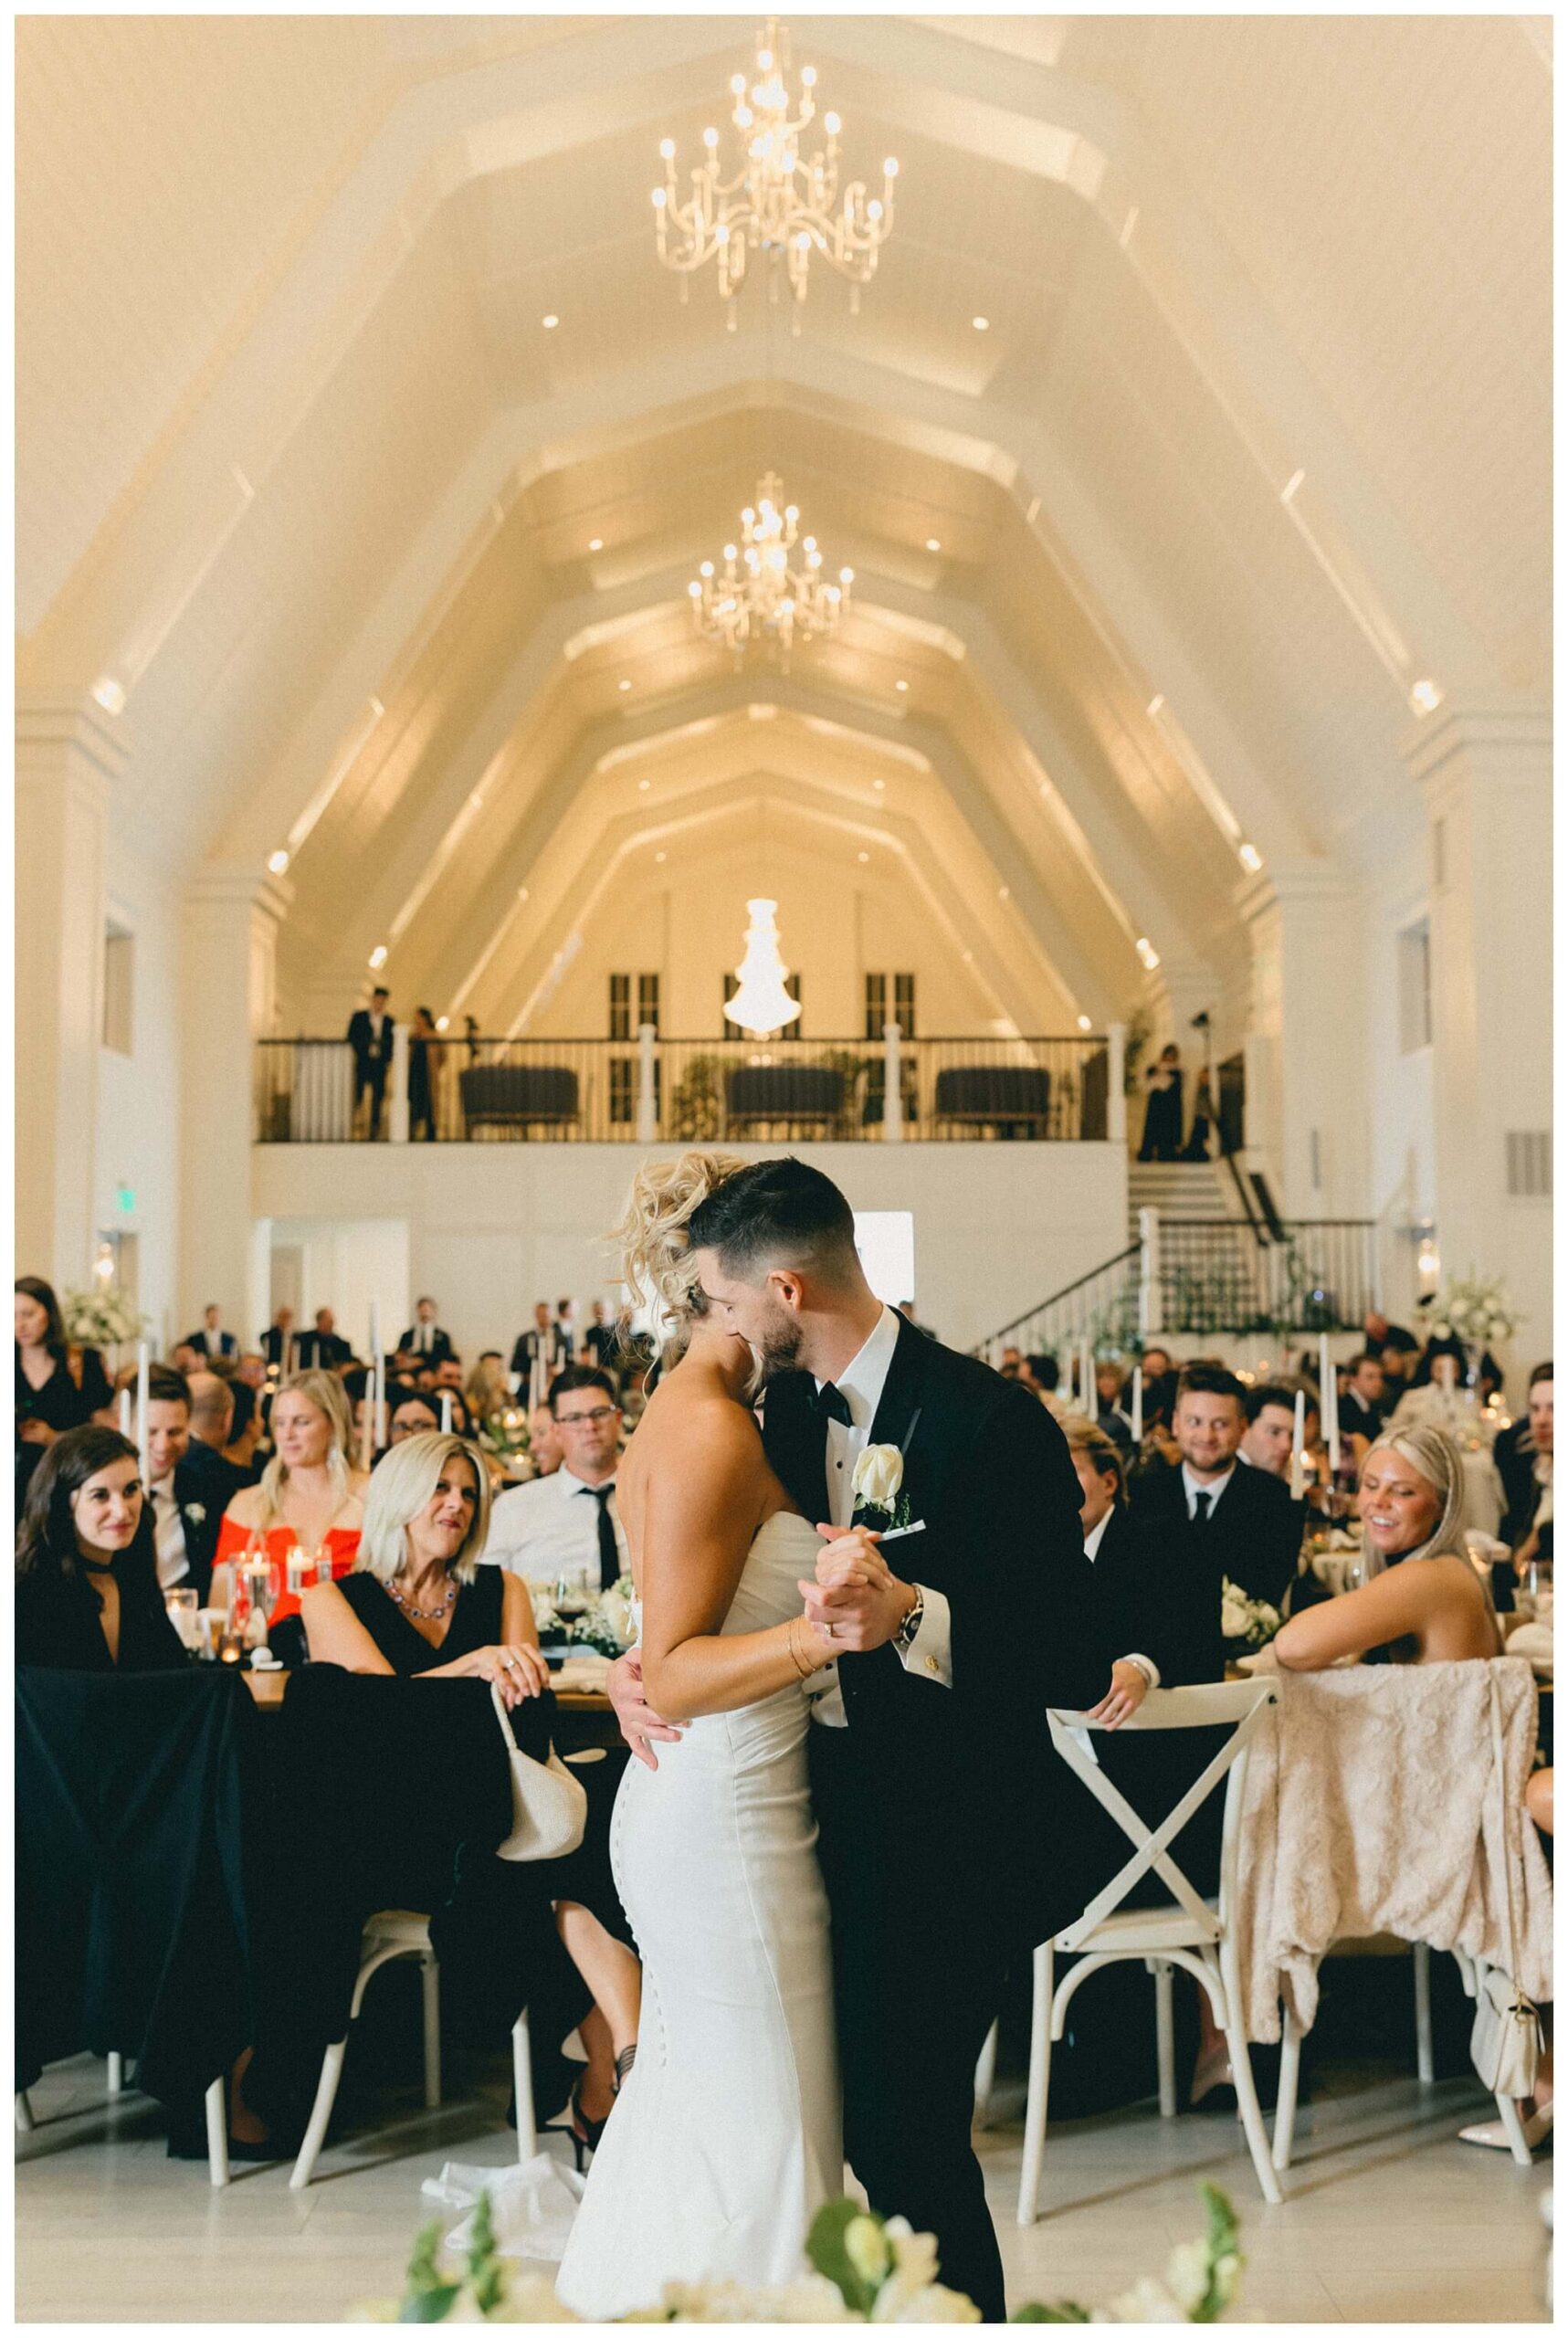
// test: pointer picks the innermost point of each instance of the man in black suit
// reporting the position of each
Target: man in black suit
(210, 1340)
(185, 1509)
(601, 1338)
(934, 1793)
(1364, 1406)
(213, 1409)
(1240, 1522)
(276, 1338)
(1523, 1455)
(424, 1336)
(370, 1037)
(322, 1350)
(544, 1338)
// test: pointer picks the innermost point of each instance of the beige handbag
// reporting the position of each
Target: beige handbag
(548, 1807)
(1505, 2036)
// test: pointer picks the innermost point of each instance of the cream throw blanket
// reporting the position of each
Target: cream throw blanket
(1372, 1806)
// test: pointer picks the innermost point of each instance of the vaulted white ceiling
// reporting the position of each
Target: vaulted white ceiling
(1256, 440)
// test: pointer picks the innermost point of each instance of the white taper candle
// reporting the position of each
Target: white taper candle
(141, 1372)
(1137, 1403)
(1328, 1392)
(445, 1412)
(125, 1414)
(1297, 1448)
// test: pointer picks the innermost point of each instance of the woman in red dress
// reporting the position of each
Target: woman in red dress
(309, 1497)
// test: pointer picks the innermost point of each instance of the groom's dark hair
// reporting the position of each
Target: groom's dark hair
(776, 1213)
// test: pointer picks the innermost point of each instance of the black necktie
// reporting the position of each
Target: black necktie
(831, 1404)
(609, 1554)
(1201, 1509)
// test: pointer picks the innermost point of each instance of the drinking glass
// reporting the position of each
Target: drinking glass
(261, 1586)
(181, 1607)
(301, 1569)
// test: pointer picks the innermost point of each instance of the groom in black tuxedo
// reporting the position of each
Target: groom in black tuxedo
(930, 1761)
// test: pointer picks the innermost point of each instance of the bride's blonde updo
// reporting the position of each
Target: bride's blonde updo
(656, 1259)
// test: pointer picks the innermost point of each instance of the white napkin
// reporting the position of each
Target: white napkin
(533, 2204)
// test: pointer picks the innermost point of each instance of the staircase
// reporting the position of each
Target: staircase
(1178, 1190)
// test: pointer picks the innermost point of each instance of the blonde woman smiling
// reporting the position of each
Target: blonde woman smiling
(1421, 1601)
(310, 1493)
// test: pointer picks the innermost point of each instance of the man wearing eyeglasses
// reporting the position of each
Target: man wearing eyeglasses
(563, 1529)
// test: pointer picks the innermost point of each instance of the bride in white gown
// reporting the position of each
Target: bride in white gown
(725, 2139)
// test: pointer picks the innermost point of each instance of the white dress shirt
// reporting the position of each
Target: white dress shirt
(860, 1384)
(549, 1532)
(169, 1535)
(1191, 1487)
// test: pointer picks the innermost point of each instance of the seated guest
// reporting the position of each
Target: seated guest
(565, 1528)
(449, 1381)
(1011, 1364)
(1378, 1333)
(1107, 1412)
(566, 1331)
(1436, 1612)
(187, 1508)
(86, 1576)
(310, 1493)
(1524, 1458)
(58, 1386)
(413, 1415)
(1362, 1406)
(425, 1335)
(1437, 1398)
(545, 1450)
(212, 1402)
(1243, 1520)
(539, 1339)
(276, 1339)
(250, 1371)
(322, 1350)
(418, 1603)
(487, 1390)
(1270, 1433)
(1153, 1608)
(1154, 1363)
(245, 1429)
(212, 1340)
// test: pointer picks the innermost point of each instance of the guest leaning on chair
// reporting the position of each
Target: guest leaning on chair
(1436, 1612)
(416, 1592)
(309, 1491)
(87, 1574)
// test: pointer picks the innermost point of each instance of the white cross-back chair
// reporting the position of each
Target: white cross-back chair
(1196, 1933)
(396, 1933)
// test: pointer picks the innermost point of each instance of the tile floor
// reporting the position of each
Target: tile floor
(1389, 2218)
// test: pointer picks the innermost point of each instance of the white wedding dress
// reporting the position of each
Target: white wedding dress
(726, 2138)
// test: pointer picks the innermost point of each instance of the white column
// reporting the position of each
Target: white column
(892, 1085)
(647, 1091)
(1486, 771)
(1151, 1305)
(397, 1103)
(1305, 1047)
(1116, 1073)
(230, 937)
(68, 753)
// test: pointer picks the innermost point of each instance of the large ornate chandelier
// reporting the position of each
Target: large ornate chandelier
(760, 595)
(762, 1004)
(786, 207)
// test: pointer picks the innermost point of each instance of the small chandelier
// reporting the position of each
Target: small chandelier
(761, 1005)
(761, 597)
(787, 207)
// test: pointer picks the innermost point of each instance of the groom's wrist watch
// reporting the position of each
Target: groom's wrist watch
(904, 1637)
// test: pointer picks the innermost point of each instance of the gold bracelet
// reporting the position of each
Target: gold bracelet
(791, 1643)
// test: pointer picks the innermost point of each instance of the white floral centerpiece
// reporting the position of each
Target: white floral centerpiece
(100, 1318)
(605, 1622)
(864, 2267)
(1474, 1311)
(1242, 1619)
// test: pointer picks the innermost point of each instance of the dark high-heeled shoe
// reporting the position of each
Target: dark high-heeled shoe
(584, 2133)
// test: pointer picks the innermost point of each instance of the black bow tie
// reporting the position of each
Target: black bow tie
(831, 1404)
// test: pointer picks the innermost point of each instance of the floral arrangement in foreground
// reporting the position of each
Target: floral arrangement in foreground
(1241, 1619)
(100, 1318)
(604, 1622)
(1474, 1311)
(864, 2268)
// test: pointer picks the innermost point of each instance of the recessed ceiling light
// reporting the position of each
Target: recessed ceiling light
(969, 957)
(378, 957)
(278, 861)
(443, 1022)
(1291, 484)
(1250, 857)
(595, 544)
(981, 324)
(522, 892)
(933, 543)
(643, 786)
(623, 685)
(878, 784)
(1002, 893)
(549, 324)
(109, 694)
(661, 856)
(1156, 703)
(862, 856)
(900, 686)
(1424, 696)
(1084, 1024)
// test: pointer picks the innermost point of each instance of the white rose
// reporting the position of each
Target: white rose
(1146, 2300)
(933, 2304)
(879, 1474)
(866, 2247)
(196, 1510)
(1187, 2274)
(1234, 1620)
(616, 1609)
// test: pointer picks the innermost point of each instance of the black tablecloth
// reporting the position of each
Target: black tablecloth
(135, 1883)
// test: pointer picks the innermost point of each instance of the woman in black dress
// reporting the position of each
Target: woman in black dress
(423, 1044)
(58, 1386)
(419, 1605)
(86, 1578)
(1163, 1109)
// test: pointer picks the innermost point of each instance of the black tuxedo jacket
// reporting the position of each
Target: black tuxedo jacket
(440, 1344)
(201, 1501)
(226, 1344)
(987, 1470)
(553, 1345)
(1253, 1534)
(320, 1351)
(371, 1055)
(1154, 1596)
(274, 1342)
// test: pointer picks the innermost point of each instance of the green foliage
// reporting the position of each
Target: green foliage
(427, 2295)
(694, 1105)
(827, 2246)
(1226, 2261)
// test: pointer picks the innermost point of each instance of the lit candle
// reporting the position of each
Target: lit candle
(1330, 1395)
(1137, 1403)
(445, 1412)
(125, 1413)
(289, 1357)
(1089, 1404)
(1297, 1448)
(141, 1373)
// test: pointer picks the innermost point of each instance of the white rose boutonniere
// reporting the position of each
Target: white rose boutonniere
(876, 1485)
(196, 1511)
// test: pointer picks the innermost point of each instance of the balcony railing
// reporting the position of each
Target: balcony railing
(651, 1090)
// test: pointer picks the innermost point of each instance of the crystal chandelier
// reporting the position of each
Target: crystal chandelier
(762, 1004)
(786, 205)
(760, 595)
